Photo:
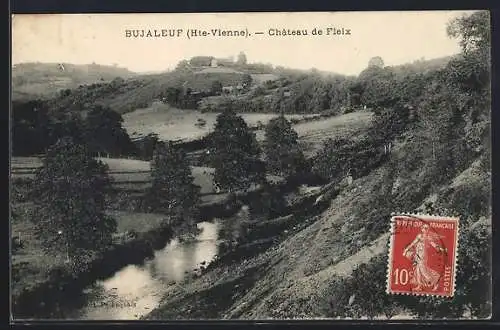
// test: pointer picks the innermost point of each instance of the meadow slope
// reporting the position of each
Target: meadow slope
(175, 124)
(292, 278)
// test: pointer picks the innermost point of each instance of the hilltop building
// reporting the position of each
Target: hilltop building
(216, 62)
(210, 61)
(201, 61)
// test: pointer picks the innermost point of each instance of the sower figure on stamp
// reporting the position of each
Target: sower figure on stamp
(419, 252)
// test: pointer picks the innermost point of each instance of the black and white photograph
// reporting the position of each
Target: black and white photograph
(251, 166)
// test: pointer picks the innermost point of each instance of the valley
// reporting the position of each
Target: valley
(226, 189)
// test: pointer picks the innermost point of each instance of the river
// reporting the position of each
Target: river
(134, 291)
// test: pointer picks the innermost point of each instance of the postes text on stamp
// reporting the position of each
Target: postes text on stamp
(422, 255)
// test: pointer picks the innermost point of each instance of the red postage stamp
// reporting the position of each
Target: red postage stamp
(422, 255)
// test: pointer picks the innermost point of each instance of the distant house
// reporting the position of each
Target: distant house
(223, 61)
(200, 61)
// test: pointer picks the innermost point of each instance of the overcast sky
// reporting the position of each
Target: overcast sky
(398, 37)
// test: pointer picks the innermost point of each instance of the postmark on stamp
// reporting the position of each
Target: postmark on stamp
(422, 255)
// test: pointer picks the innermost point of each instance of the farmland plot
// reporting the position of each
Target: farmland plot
(176, 124)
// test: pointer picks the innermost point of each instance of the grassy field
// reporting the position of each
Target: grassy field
(261, 78)
(346, 126)
(312, 134)
(126, 173)
(175, 124)
(46, 79)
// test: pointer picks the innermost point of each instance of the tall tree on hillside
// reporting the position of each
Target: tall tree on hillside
(473, 31)
(235, 153)
(173, 191)
(242, 59)
(283, 154)
(378, 87)
(376, 61)
(146, 146)
(104, 132)
(69, 194)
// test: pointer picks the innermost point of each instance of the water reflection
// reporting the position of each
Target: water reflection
(134, 290)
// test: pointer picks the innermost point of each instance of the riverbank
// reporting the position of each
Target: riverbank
(59, 289)
(36, 275)
(43, 286)
(232, 275)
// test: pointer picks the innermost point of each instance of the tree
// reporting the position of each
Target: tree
(182, 65)
(146, 146)
(173, 96)
(376, 61)
(69, 195)
(473, 31)
(378, 86)
(66, 124)
(104, 132)
(242, 59)
(173, 191)
(235, 153)
(388, 123)
(216, 87)
(283, 154)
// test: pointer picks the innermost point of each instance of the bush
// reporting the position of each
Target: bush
(339, 156)
(363, 294)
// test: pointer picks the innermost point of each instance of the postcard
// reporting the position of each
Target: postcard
(251, 166)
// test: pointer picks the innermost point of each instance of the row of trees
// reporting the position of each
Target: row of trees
(35, 127)
(71, 186)
(236, 156)
(377, 86)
